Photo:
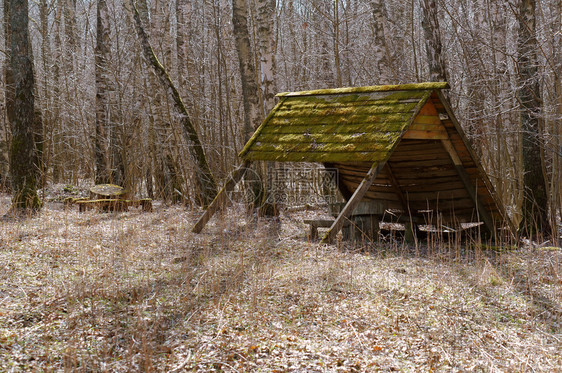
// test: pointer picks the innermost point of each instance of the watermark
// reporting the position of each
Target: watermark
(302, 185)
(288, 186)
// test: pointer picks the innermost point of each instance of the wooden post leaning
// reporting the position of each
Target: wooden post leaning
(470, 188)
(353, 202)
(221, 197)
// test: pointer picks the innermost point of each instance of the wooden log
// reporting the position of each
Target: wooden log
(353, 202)
(107, 204)
(221, 197)
(68, 201)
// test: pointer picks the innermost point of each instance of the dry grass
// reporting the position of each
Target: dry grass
(138, 292)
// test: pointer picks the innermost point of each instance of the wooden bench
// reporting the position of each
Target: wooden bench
(319, 223)
(111, 204)
(69, 201)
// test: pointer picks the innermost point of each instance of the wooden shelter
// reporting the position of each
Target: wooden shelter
(397, 144)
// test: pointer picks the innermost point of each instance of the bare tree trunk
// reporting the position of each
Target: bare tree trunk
(433, 45)
(266, 19)
(535, 214)
(8, 98)
(158, 150)
(8, 73)
(204, 178)
(103, 115)
(381, 51)
(266, 46)
(23, 158)
(252, 114)
(57, 130)
(181, 13)
(69, 16)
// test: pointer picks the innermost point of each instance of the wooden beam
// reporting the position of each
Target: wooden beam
(353, 202)
(425, 135)
(470, 188)
(221, 197)
(397, 187)
(439, 100)
(410, 235)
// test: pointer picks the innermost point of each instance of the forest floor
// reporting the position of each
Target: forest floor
(136, 291)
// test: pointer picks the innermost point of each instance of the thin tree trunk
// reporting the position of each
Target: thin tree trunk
(266, 19)
(266, 46)
(535, 214)
(58, 130)
(204, 178)
(103, 115)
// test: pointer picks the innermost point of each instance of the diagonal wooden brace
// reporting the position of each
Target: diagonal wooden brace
(221, 198)
(353, 202)
(470, 188)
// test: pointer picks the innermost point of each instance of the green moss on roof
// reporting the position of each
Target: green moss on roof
(321, 156)
(375, 88)
(347, 124)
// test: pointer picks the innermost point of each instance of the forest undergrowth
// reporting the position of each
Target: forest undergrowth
(135, 291)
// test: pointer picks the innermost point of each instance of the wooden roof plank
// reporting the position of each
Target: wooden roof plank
(379, 88)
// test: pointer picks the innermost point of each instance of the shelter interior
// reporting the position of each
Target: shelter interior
(420, 177)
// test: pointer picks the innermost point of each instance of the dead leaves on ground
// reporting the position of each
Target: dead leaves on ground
(138, 291)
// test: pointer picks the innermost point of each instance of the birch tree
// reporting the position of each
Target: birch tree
(266, 21)
(252, 113)
(433, 45)
(380, 54)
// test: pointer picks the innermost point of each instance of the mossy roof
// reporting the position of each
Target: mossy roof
(338, 125)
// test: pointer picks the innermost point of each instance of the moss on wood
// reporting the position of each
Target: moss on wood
(356, 137)
(381, 146)
(315, 156)
(378, 88)
(385, 98)
(366, 123)
(333, 129)
(353, 120)
(356, 111)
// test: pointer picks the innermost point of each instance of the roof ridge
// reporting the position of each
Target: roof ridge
(375, 88)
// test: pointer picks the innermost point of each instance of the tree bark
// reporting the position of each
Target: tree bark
(102, 51)
(433, 45)
(23, 157)
(266, 18)
(252, 114)
(204, 178)
(535, 214)
(381, 54)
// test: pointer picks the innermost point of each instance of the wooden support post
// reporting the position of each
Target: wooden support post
(221, 197)
(397, 188)
(410, 233)
(353, 202)
(470, 188)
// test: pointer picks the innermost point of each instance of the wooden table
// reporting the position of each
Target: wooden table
(108, 191)
(110, 197)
